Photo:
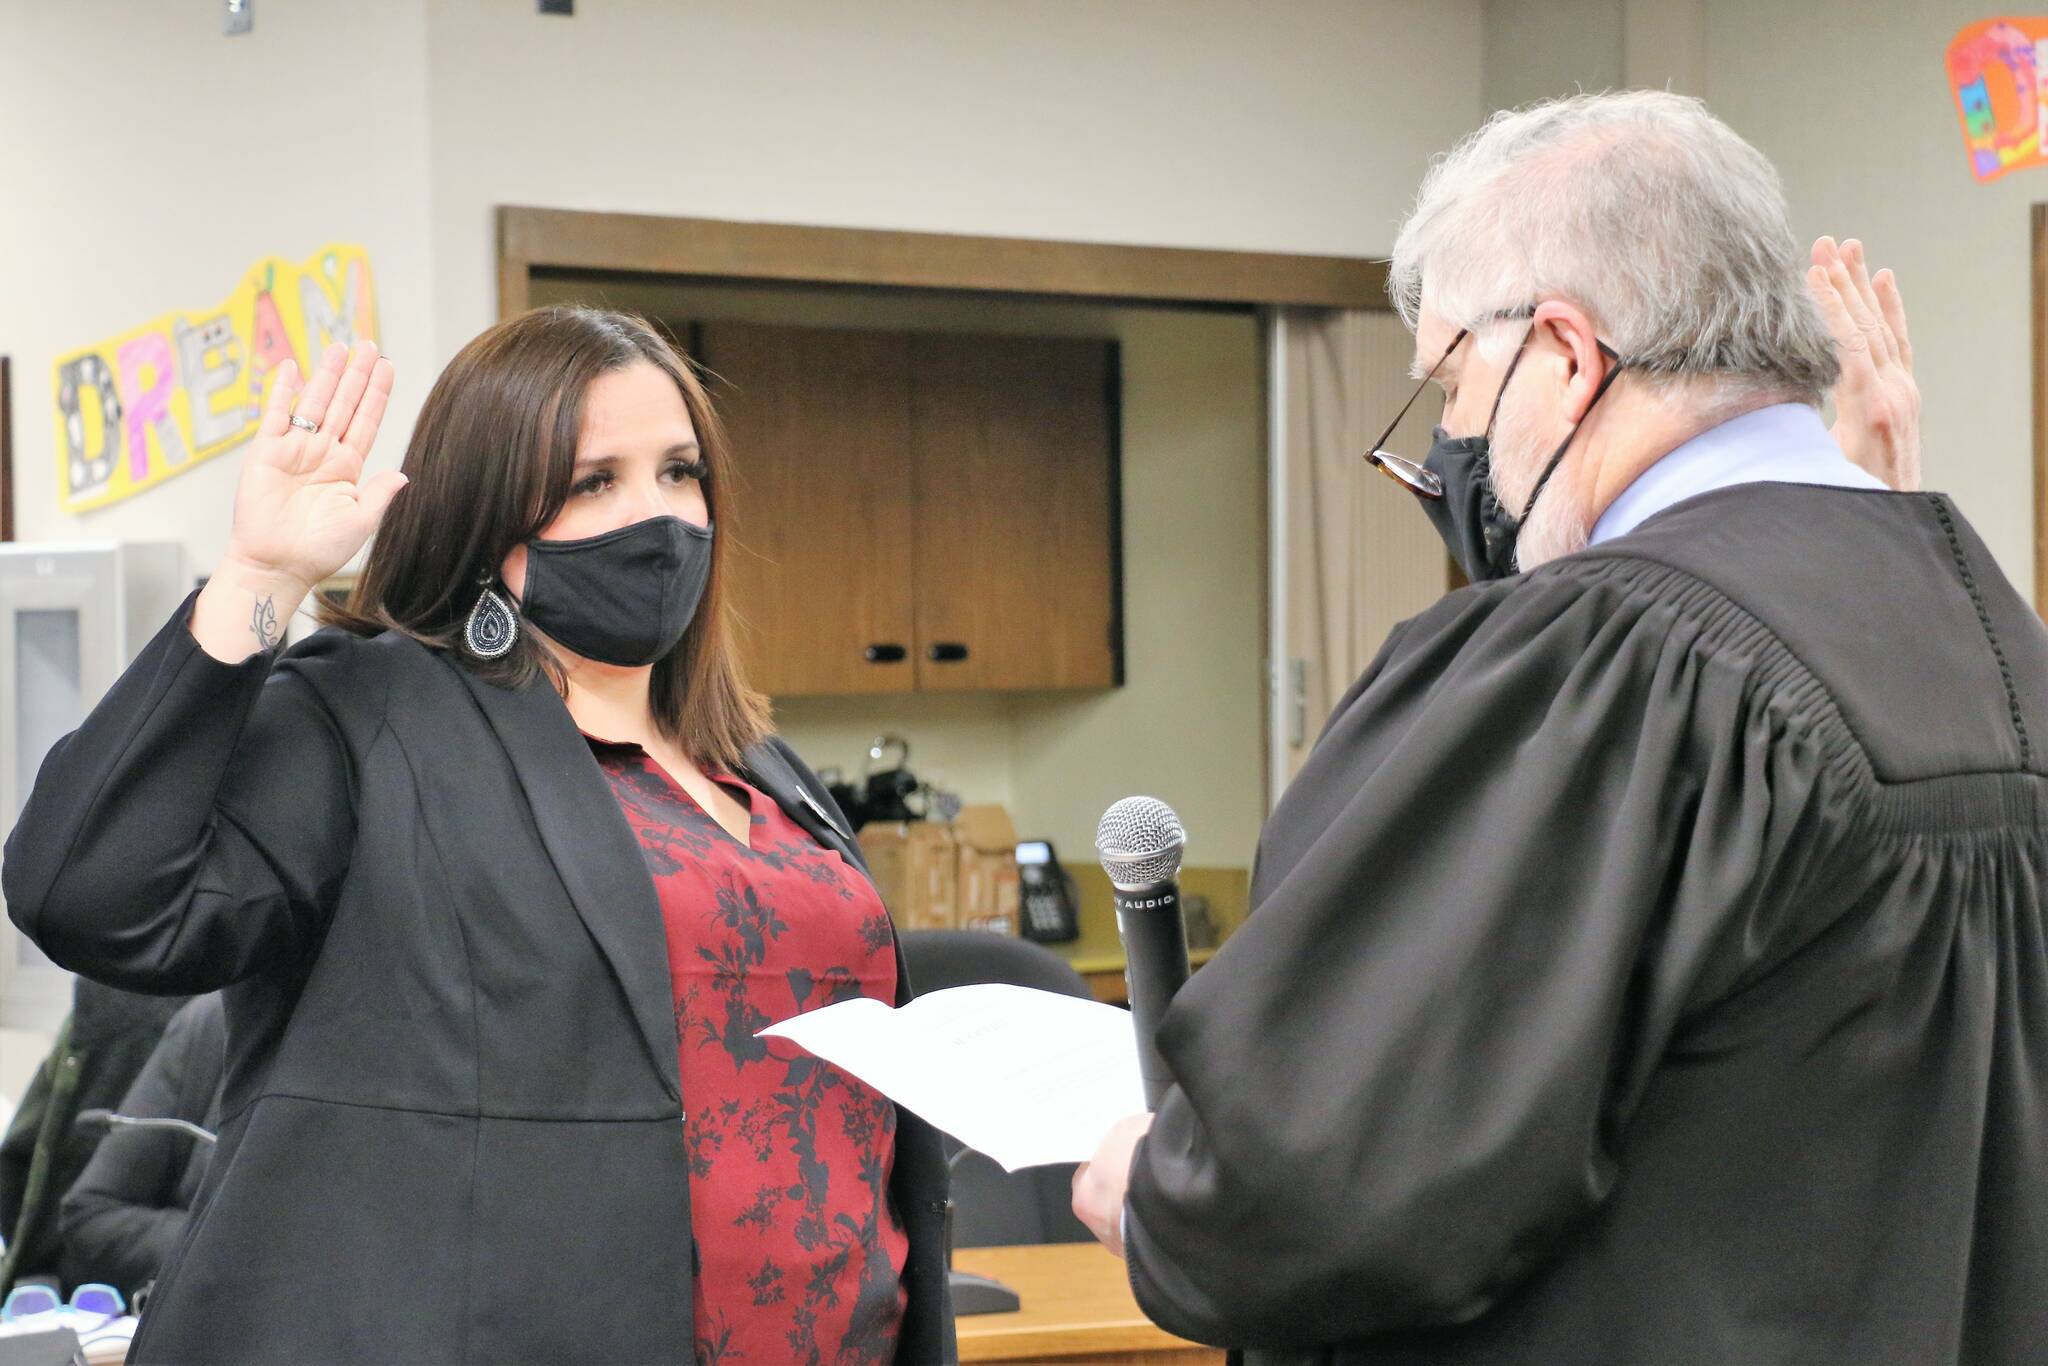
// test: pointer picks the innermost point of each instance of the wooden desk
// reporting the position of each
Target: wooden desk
(1077, 1311)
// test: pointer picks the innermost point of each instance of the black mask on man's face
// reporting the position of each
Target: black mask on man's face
(1480, 533)
(1456, 482)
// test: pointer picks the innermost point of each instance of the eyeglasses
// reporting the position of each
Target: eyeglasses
(1409, 475)
(90, 1298)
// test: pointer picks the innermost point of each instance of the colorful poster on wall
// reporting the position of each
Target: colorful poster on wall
(1995, 68)
(136, 409)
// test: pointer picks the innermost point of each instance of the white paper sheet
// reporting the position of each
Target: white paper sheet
(1027, 1077)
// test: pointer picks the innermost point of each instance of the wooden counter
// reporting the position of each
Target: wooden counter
(1077, 1310)
(1098, 955)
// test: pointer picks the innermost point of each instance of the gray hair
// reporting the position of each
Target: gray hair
(1643, 209)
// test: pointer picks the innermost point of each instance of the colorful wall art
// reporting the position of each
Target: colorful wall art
(141, 407)
(1995, 68)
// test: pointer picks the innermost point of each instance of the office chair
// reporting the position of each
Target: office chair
(995, 1208)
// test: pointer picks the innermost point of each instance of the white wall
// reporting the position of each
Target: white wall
(148, 161)
(1532, 51)
(1287, 125)
(1851, 102)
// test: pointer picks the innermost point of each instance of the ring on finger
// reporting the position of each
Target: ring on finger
(303, 425)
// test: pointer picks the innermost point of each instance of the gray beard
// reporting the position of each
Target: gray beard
(1555, 529)
(1557, 525)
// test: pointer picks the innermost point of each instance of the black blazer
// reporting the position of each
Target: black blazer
(450, 1125)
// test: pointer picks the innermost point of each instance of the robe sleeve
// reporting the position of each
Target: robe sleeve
(1556, 817)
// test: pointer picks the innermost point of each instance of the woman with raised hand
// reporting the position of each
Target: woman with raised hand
(501, 878)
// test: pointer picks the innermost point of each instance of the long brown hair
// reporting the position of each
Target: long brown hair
(490, 463)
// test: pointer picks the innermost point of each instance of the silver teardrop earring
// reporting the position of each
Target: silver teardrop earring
(492, 624)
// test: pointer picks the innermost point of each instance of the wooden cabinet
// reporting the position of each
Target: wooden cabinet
(822, 516)
(915, 511)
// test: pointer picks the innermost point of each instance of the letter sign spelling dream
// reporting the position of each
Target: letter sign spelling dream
(141, 407)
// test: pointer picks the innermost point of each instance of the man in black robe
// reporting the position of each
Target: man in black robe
(1648, 966)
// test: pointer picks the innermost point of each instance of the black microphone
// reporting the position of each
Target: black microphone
(1140, 842)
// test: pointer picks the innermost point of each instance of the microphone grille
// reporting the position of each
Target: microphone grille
(1140, 842)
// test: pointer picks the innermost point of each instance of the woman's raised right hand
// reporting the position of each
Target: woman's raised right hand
(303, 507)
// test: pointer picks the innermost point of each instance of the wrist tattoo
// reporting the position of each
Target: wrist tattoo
(264, 623)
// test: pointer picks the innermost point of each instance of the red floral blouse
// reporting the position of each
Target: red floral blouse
(799, 1254)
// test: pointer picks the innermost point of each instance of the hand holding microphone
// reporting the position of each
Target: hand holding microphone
(1140, 842)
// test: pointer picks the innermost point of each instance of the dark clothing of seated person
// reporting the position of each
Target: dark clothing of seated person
(98, 1053)
(128, 1209)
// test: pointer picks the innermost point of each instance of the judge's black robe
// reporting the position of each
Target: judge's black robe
(1647, 966)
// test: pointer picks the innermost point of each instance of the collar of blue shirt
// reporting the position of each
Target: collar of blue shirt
(1786, 443)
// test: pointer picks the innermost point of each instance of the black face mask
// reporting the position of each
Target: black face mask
(1455, 480)
(624, 597)
(1479, 532)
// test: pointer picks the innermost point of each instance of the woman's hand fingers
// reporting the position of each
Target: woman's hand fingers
(369, 413)
(348, 393)
(277, 402)
(302, 506)
(319, 391)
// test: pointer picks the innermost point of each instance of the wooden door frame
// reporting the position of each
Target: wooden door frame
(543, 241)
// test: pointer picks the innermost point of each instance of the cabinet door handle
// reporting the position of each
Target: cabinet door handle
(948, 652)
(885, 654)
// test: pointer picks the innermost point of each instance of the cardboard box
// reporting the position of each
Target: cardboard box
(987, 852)
(915, 868)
